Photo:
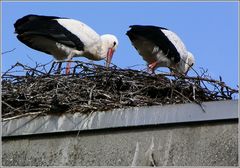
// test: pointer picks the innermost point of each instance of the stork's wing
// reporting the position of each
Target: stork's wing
(176, 41)
(155, 35)
(82, 31)
(48, 27)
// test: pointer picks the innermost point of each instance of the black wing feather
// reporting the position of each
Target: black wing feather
(154, 34)
(48, 27)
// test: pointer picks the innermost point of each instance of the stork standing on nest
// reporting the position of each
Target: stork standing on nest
(161, 47)
(64, 38)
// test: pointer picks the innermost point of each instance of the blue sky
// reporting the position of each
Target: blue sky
(208, 29)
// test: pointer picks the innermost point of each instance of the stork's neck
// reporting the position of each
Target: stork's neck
(183, 64)
(96, 51)
(103, 47)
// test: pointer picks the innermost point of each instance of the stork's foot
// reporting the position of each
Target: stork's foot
(152, 66)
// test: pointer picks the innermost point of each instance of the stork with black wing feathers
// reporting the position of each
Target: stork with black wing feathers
(64, 38)
(161, 47)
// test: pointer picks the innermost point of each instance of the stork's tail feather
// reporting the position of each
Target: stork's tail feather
(31, 22)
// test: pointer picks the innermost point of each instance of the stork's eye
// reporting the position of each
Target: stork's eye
(114, 43)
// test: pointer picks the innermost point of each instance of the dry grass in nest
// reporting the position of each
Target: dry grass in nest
(93, 87)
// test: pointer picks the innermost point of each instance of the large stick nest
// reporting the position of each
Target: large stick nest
(91, 87)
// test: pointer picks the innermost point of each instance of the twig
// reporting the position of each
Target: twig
(5, 52)
(14, 109)
(22, 115)
(90, 95)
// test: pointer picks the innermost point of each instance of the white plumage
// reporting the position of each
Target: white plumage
(64, 38)
(161, 47)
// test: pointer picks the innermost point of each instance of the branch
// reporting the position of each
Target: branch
(5, 52)
(22, 115)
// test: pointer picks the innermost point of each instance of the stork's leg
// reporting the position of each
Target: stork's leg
(69, 58)
(152, 66)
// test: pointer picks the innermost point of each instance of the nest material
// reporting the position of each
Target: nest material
(93, 87)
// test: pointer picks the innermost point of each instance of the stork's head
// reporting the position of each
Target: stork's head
(185, 64)
(190, 61)
(109, 45)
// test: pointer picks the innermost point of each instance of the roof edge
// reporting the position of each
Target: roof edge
(135, 116)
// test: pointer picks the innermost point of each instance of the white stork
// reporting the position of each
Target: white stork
(64, 38)
(161, 47)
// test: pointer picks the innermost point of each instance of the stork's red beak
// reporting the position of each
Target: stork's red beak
(109, 56)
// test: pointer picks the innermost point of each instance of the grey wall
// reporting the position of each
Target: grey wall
(172, 135)
(199, 144)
